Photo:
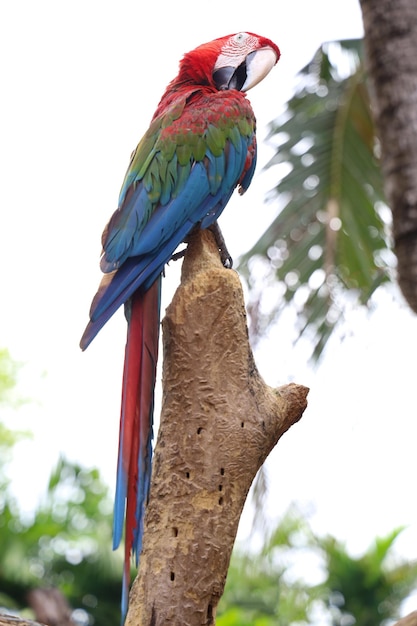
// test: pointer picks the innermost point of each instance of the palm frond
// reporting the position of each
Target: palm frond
(328, 236)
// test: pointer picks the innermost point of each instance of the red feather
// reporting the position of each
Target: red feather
(135, 442)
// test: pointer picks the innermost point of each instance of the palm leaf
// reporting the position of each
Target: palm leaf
(325, 244)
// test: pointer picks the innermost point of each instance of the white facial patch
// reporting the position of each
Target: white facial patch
(236, 48)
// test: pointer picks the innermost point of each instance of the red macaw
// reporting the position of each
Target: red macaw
(199, 147)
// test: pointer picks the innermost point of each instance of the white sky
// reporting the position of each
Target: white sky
(80, 81)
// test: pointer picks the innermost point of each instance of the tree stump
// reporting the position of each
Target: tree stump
(219, 421)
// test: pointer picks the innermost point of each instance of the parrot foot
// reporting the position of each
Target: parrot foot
(221, 244)
(225, 257)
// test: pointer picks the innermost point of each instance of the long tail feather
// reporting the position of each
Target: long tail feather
(136, 425)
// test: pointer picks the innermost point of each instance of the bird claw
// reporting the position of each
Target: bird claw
(226, 260)
(178, 255)
(225, 257)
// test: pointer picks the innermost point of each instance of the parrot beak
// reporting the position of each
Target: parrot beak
(258, 65)
(254, 67)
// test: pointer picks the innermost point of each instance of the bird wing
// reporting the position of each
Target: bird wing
(182, 173)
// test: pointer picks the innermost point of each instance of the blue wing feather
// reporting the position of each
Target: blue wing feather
(135, 273)
(204, 194)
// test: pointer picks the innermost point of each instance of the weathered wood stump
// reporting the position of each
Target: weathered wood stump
(218, 424)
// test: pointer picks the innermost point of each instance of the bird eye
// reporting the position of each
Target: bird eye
(240, 37)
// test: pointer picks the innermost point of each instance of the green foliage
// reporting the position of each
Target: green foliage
(370, 588)
(257, 594)
(329, 245)
(258, 591)
(278, 586)
(8, 374)
(67, 543)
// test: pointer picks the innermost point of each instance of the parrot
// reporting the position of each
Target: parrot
(200, 146)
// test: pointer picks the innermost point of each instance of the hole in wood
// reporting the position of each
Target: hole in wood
(220, 487)
(220, 501)
(187, 474)
(199, 430)
(175, 531)
(210, 613)
(172, 576)
(242, 424)
(222, 471)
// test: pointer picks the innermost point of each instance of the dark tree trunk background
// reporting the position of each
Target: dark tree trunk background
(391, 50)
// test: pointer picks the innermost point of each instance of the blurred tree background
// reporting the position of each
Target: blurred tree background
(296, 577)
(329, 247)
(328, 250)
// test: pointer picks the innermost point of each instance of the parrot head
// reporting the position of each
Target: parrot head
(237, 61)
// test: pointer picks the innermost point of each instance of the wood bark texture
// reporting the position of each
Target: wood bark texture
(218, 424)
(391, 48)
(11, 620)
(410, 620)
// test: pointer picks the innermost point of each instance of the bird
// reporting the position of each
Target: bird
(200, 146)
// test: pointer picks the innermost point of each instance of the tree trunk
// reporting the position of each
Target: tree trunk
(391, 47)
(219, 422)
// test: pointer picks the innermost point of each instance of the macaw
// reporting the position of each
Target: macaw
(199, 147)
